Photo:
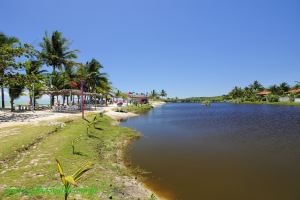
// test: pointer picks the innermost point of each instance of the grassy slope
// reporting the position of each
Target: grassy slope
(16, 140)
(36, 167)
(138, 109)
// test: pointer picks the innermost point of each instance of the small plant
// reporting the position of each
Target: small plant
(90, 124)
(72, 180)
(73, 146)
(153, 197)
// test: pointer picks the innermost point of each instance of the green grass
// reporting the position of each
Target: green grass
(17, 138)
(138, 109)
(36, 166)
(272, 103)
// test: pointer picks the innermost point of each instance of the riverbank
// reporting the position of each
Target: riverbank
(28, 151)
(270, 103)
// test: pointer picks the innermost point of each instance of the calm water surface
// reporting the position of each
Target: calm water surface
(225, 151)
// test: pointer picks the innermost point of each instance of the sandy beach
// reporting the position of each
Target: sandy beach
(8, 118)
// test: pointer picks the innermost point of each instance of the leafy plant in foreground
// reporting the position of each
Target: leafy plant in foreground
(72, 180)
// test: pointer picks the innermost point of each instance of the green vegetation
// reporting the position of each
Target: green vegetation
(251, 94)
(138, 109)
(72, 179)
(272, 103)
(35, 167)
(196, 99)
(21, 64)
(158, 95)
(257, 93)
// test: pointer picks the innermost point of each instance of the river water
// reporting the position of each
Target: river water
(223, 151)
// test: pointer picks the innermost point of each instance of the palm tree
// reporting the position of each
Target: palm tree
(163, 93)
(284, 87)
(256, 86)
(236, 92)
(56, 52)
(94, 77)
(153, 94)
(275, 89)
(104, 88)
(118, 94)
(34, 79)
(16, 88)
(90, 73)
(5, 41)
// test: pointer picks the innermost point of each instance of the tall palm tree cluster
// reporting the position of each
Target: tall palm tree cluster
(21, 68)
(157, 95)
(249, 93)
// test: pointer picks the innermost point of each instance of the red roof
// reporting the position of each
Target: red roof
(264, 92)
(295, 91)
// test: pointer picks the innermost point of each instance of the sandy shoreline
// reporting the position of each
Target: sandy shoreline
(8, 119)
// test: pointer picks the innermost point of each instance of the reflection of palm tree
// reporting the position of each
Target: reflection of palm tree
(9, 41)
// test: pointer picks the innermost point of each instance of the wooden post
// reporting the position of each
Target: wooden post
(82, 100)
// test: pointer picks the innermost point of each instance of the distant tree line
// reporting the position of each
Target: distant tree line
(250, 93)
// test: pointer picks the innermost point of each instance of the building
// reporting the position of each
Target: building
(264, 93)
(138, 98)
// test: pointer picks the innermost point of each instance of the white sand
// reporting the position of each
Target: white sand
(8, 119)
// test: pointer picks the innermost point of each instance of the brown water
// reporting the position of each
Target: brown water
(225, 151)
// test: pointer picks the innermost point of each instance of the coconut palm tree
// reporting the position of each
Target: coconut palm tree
(8, 42)
(104, 88)
(276, 90)
(284, 87)
(256, 86)
(15, 88)
(95, 76)
(163, 93)
(153, 94)
(34, 78)
(56, 53)
(236, 92)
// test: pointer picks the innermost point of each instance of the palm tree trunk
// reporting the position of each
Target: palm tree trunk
(2, 97)
(11, 104)
(30, 98)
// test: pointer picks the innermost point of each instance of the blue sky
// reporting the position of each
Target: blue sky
(187, 47)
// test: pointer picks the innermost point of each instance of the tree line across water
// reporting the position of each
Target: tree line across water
(21, 67)
(250, 93)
